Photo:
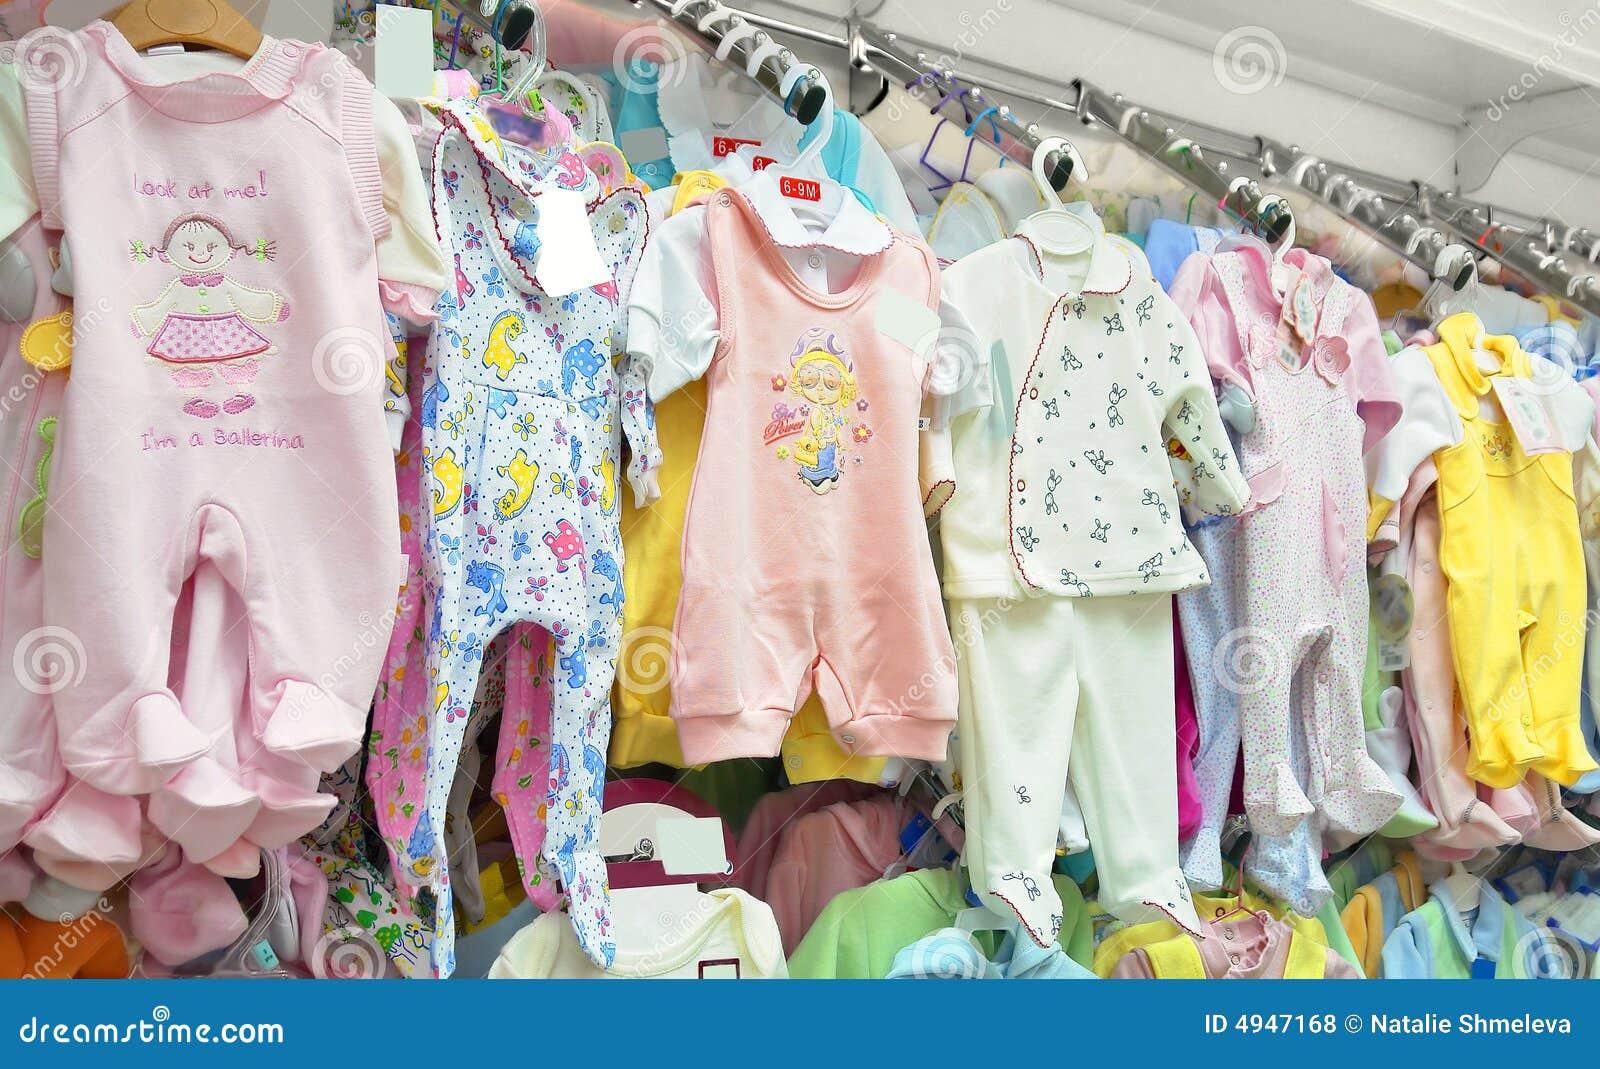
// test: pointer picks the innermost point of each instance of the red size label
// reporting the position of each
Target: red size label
(800, 188)
(727, 146)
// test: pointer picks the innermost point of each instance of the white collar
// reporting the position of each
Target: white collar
(1110, 269)
(853, 230)
(681, 96)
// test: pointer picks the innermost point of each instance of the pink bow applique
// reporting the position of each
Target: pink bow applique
(202, 280)
(1331, 357)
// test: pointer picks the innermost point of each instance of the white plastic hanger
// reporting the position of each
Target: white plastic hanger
(1061, 232)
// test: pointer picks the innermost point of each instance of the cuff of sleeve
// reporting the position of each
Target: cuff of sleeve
(646, 487)
(410, 302)
(395, 419)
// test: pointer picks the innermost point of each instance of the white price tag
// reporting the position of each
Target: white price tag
(690, 846)
(403, 69)
(568, 259)
(1527, 406)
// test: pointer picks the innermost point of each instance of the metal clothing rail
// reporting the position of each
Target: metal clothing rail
(1418, 221)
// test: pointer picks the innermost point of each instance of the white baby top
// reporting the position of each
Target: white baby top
(1097, 379)
(731, 936)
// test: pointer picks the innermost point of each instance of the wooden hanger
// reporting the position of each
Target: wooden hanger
(208, 23)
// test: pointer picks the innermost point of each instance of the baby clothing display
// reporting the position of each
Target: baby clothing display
(753, 539)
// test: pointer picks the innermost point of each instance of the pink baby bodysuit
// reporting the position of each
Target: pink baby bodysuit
(805, 553)
(225, 399)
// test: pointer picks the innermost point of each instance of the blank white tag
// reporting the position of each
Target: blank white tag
(568, 259)
(644, 145)
(690, 846)
(403, 69)
(911, 323)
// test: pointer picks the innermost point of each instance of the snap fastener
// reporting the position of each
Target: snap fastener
(814, 260)
(1033, 393)
(848, 739)
(291, 49)
(1227, 933)
(1527, 718)
(521, 208)
(1022, 484)
(724, 197)
(794, 762)
(1234, 958)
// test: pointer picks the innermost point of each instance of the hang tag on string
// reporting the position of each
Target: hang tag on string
(1393, 611)
(1528, 407)
(568, 258)
(403, 67)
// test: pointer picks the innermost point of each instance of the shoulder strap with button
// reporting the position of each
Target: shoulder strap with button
(1176, 959)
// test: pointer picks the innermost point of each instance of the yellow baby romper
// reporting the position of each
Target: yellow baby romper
(652, 575)
(1511, 550)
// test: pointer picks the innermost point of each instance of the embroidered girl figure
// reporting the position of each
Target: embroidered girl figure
(822, 373)
(203, 317)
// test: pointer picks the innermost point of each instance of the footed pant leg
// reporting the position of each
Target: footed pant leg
(1018, 702)
(109, 599)
(522, 759)
(1289, 867)
(320, 615)
(1358, 797)
(1123, 754)
(206, 806)
(1206, 615)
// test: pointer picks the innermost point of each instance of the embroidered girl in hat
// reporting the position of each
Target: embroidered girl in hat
(822, 373)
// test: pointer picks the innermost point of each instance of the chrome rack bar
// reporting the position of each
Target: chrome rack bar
(808, 96)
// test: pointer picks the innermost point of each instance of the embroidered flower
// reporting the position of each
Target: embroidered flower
(862, 432)
(1263, 339)
(1331, 357)
(779, 382)
(861, 405)
(783, 452)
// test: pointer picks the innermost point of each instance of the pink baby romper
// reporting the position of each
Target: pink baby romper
(805, 553)
(1319, 402)
(256, 191)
